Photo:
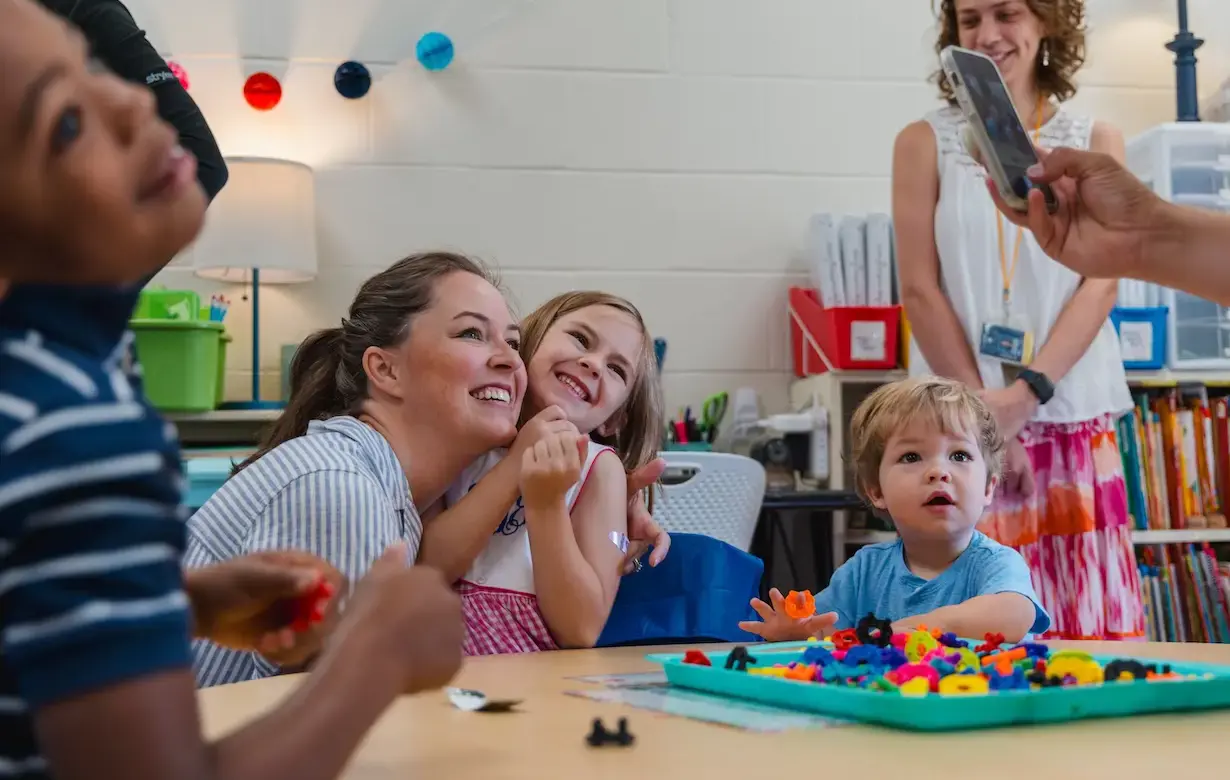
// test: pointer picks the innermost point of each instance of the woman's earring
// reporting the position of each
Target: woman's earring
(1046, 55)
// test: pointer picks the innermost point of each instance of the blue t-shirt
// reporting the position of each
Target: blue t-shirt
(877, 581)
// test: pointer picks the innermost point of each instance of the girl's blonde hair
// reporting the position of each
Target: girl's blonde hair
(948, 405)
(640, 437)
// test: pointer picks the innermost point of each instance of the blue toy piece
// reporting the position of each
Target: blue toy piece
(434, 51)
(352, 80)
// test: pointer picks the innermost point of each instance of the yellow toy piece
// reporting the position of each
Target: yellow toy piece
(919, 644)
(769, 671)
(969, 659)
(1085, 670)
(919, 686)
(964, 685)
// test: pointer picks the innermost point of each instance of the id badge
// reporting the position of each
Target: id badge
(1008, 341)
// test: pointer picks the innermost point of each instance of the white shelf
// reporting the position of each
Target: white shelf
(1182, 536)
(1162, 378)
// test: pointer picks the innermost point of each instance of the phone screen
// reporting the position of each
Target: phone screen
(1012, 144)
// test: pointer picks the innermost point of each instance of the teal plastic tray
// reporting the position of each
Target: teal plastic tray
(952, 713)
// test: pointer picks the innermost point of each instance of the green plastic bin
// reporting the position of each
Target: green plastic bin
(224, 339)
(181, 363)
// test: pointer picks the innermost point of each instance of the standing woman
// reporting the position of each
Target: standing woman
(1063, 503)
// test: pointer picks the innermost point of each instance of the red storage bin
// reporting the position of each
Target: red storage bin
(843, 338)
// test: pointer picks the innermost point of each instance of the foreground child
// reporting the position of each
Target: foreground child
(927, 454)
(548, 575)
(95, 614)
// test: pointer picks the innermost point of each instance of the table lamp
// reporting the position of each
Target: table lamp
(261, 229)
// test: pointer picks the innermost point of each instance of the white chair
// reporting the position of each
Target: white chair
(719, 496)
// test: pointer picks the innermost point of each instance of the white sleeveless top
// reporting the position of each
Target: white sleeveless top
(968, 246)
(505, 562)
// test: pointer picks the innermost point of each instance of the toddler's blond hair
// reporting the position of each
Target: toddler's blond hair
(948, 405)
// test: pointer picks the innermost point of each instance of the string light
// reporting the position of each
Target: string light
(434, 51)
(352, 80)
(262, 91)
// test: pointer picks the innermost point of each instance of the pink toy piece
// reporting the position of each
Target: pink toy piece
(907, 672)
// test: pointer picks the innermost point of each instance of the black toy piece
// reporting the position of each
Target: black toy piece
(871, 630)
(599, 736)
(1115, 669)
(739, 658)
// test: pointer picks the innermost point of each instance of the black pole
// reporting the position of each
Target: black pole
(1184, 47)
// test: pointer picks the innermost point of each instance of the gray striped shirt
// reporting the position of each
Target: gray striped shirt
(338, 492)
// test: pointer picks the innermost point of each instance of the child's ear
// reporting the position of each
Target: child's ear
(992, 483)
(876, 496)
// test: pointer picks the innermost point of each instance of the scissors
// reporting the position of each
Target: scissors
(712, 412)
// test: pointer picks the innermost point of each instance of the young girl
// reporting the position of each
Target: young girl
(548, 575)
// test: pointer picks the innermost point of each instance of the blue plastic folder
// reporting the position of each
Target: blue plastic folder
(952, 713)
(698, 594)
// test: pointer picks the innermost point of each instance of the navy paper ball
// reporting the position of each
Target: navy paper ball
(434, 51)
(352, 80)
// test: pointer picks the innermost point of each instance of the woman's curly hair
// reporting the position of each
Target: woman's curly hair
(1064, 22)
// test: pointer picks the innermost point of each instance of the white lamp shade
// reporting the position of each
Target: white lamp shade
(264, 218)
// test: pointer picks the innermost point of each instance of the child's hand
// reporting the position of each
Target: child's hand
(549, 422)
(779, 627)
(551, 467)
(250, 602)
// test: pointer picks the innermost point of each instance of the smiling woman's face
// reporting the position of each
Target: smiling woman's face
(94, 187)
(1007, 31)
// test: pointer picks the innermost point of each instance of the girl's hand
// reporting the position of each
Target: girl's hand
(779, 627)
(550, 468)
(549, 422)
(250, 602)
(1013, 407)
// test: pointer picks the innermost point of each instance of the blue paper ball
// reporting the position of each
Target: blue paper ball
(352, 80)
(434, 51)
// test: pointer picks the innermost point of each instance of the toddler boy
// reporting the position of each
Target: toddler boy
(927, 453)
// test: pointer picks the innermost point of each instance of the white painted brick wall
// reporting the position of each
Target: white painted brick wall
(666, 150)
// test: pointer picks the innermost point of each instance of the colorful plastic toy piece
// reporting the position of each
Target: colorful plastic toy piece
(739, 659)
(949, 639)
(1084, 670)
(1123, 669)
(845, 639)
(919, 644)
(800, 605)
(310, 608)
(915, 686)
(599, 736)
(819, 656)
(860, 655)
(696, 657)
(874, 631)
(913, 671)
(992, 643)
(963, 685)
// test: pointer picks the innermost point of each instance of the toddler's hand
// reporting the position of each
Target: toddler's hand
(551, 467)
(780, 627)
(549, 422)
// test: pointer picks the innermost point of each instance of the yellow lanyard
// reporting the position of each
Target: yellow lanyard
(1008, 272)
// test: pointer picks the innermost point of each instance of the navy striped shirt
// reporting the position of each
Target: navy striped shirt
(338, 492)
(91, 525)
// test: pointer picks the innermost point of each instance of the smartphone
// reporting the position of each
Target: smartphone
(1005, 146)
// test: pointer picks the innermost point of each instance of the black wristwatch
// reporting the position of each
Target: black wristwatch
(1038, 384)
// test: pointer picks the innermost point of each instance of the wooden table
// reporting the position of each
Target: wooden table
(424, 737)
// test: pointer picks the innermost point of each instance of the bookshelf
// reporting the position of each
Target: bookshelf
(1186, 590)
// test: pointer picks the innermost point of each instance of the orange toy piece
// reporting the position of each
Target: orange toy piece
(844, 639)
(800, 605)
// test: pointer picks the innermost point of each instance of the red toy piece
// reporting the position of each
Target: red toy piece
(696, 657)
(310, 608)
(845, 639)
(993, 642)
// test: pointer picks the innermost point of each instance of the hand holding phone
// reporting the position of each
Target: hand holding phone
(994, 127)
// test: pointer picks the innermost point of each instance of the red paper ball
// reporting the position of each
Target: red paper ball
(262, 91)
(179, 73)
